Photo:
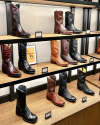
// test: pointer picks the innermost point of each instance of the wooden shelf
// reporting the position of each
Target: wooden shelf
(95, 55)
(94, 79)
(52, 69)
(72, 3)
(39, 105)
(8, 39)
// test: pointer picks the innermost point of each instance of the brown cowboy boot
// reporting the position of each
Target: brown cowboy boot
(98, 49)
(17, 29)
(55, 57)
(7, 66)
(59, 27)
(65, 52)
(51, 95)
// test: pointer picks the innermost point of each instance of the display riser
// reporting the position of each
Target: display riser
(39, 105)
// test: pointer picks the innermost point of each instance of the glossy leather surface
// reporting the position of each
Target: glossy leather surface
(98, 49)
(21, 107)
(17, 29)
(73, 51)
(23, 64)
(65, 52)
(69, 21)
(63, 91)
(7, 66)
(81, 84)
(55, 57)
(59, 27)
(51, 95)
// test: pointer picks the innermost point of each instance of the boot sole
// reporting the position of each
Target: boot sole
(53, 102)
(66, 98)
(19, 114)
(11, 75)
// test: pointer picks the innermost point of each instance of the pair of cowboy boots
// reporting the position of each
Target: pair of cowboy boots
(8, 67)
(65, 58)
(69, 27)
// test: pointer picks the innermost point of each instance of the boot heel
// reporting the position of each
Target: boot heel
(17, 113)
(13, 33)
(79, 88)
(4, 69)
(48, 98)
(61, 94)
(19, 66)
(52, 62)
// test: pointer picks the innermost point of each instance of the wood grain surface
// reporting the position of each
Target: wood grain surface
(38, 67)
(39, 105)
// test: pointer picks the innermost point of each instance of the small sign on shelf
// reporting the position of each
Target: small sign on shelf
(91, 60)
(48, 115)
(45, 70)
(84, 99)
(88, 32)
(38, 34)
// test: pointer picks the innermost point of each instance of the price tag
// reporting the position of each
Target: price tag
(48, 115)
(45, 70)
(38, 34)
(88, 31)
(84, 99)
(91, 60)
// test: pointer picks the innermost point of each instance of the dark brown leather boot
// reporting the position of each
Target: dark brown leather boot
(17, 29)
(51, 95)
(7, 66)
(98, 49)
(55, 57)
(59, 27)
(65, 52)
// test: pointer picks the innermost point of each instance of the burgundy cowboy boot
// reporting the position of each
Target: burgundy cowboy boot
(17, 29)
(65, 52)
(7, 66)
(59, 27)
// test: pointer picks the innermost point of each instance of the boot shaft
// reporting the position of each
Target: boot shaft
(81, 75)
(21, 96)
(64, 47)
(51, 83)
(58, 17)
(69, 19)
(62, 81)
(73, 46)
(6, 52)
(54, 48)
(15, 14)
(22, 51)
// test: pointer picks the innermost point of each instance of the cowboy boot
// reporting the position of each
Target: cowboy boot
(73, 51)
(51, 95)
(98, 49)
(65, 52)
(55, 57)
(23, 64)
(7, 66)
(21, 106)
(63, 88)
(59, 27)
(17, 29)
(69, 22)
(81, 84)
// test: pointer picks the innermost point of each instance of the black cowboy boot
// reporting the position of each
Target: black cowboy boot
(73, 51)
(63, 88)
(81, 84)
(69, 22)
(23, 64)
(21, 107)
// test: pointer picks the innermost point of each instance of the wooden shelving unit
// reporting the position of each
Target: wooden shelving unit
(8, 39)
(39, 105)
(52, 69)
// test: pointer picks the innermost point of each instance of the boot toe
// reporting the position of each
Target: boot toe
(91, 92)
(61, 103)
